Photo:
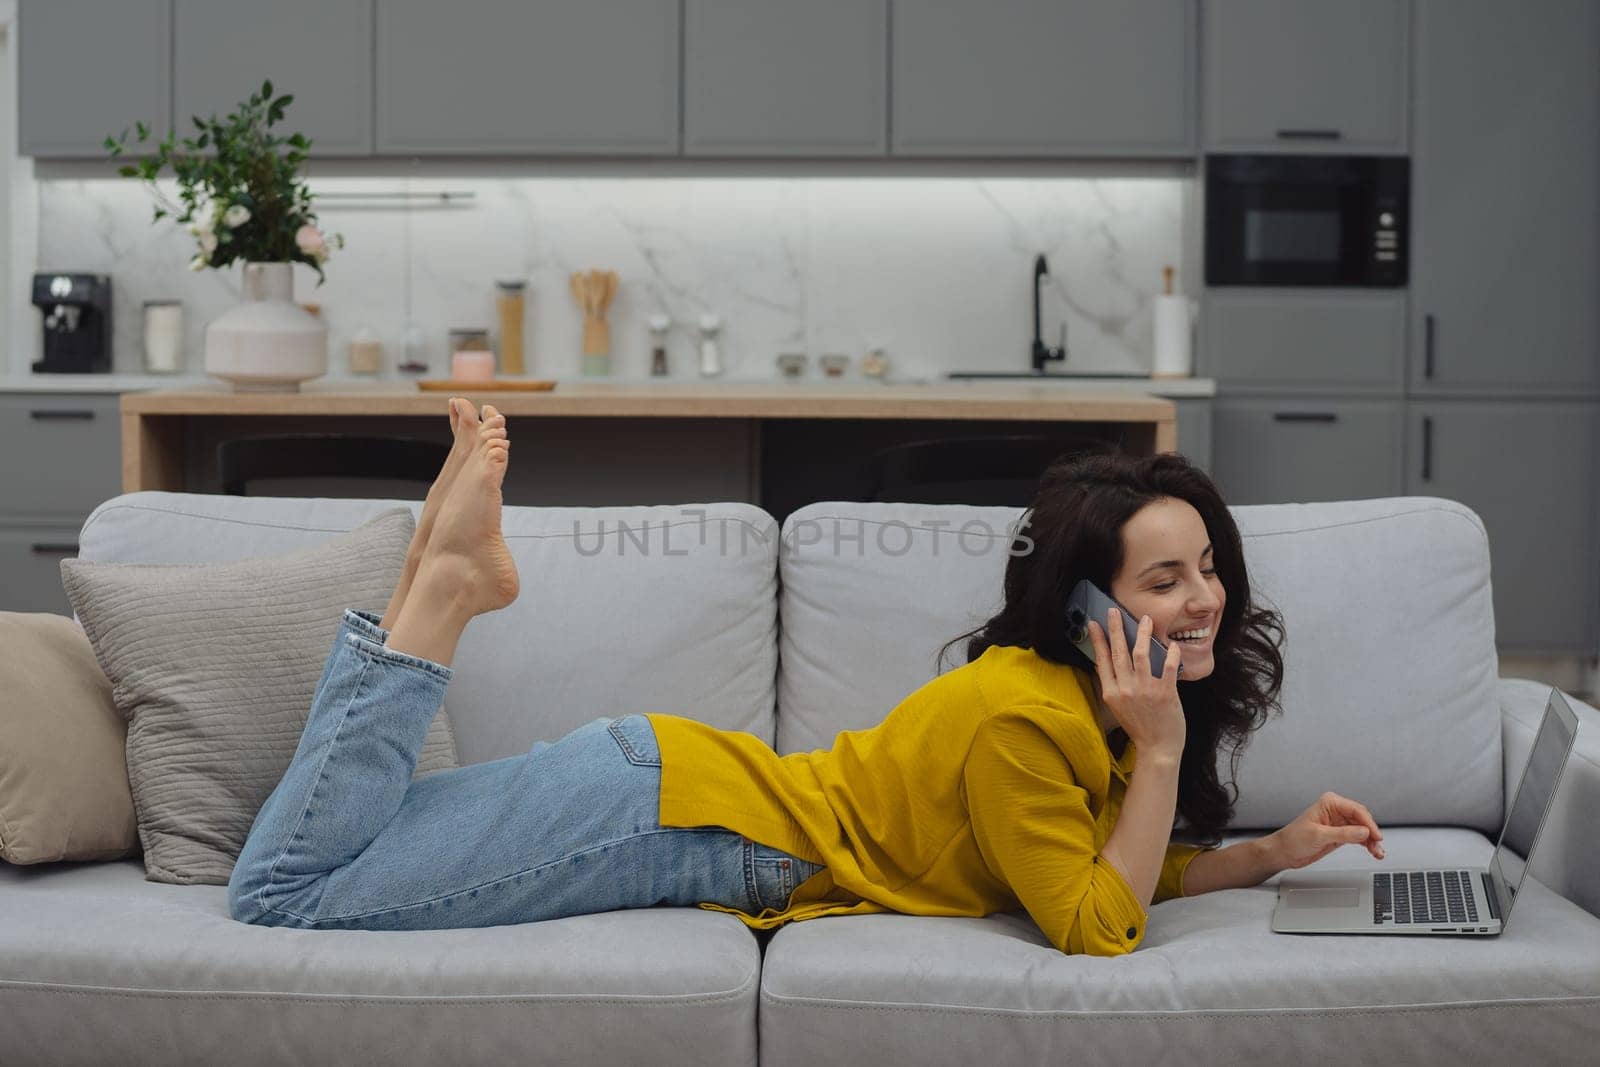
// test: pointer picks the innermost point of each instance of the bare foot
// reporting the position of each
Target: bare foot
(464, 425)
(466, 551)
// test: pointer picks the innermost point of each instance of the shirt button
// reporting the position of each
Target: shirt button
(1133, 931)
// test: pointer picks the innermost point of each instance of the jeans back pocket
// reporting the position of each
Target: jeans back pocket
(774, 875)
(637, 739)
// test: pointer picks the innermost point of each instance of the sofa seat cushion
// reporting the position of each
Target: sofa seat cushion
(1211, 983)
(99, 965)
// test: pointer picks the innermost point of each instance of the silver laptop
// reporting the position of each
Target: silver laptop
(1444, 900)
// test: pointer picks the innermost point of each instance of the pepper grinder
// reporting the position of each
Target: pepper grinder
(710, 357)
(659, 325)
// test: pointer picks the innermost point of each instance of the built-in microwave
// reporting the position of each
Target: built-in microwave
(1307, 220)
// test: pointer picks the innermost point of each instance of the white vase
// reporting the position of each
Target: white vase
(268, 343)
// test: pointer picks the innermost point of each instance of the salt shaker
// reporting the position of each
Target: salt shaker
(710, 357)
(659, 325)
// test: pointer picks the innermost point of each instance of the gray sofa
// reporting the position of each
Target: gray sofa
(1391, 697)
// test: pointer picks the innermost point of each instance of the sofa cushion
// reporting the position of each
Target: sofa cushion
(214, 665)
(622, 610)
(1210, 984)
(1389, 656)
(98, 965)
(63, 777)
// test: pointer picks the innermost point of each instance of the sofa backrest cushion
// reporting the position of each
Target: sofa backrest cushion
(622, 610)
(1389, 655)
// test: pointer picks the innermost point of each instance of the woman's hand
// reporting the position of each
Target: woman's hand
(1330, 822)
(1146, 706)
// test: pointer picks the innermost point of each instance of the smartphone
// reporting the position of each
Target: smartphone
(1089, 601)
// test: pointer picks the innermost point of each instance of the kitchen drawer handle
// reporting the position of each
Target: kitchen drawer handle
(1427, 447)
(1309, 135)
(53, 548)
(73, 413)
(1427, 346)
(1304, 416)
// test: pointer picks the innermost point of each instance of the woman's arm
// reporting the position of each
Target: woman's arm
(1238, 866)
(1138, 844)
(1331, 821)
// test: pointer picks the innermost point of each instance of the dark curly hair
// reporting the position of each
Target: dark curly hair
(1075, 525)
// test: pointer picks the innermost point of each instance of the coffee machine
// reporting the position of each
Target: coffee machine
(77, 323)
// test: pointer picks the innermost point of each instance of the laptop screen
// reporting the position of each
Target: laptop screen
(1539, 777)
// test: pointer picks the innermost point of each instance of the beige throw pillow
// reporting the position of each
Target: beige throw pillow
(63, 780)
(214, 666)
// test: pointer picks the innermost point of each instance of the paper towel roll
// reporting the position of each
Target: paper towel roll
(1174, 357)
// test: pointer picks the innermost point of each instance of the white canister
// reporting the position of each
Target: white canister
(1174, 352)
(163, 337)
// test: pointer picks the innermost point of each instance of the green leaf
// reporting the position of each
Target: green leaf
(299, 141)
(283, 102)
(160, 214)
(144, 131)
(266, 89)
(128, 171)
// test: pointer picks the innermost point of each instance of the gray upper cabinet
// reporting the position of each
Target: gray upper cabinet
(777, 78)
(1042, 78)
(1506, 220)
(1528, 470)
(88, 68)
(1306, 75)
(552, 77)
(318, 50)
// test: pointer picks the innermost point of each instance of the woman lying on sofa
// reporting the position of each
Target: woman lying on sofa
(1028, 777)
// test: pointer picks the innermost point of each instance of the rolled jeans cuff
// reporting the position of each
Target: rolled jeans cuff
(365, 623)
(361, 631)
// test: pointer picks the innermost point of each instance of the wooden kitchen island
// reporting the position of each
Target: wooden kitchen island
(592, 443)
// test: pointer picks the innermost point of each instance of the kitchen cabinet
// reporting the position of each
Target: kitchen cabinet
(1506, 220)
(30, 567)
(318, 50)
(776, 78)
(1009, 78)
(60, 457)
(1307, 75)
(556, 77)
(1321, 338)
(1296, 449)
(88, 68)
(1528, 469)
(1194, 429)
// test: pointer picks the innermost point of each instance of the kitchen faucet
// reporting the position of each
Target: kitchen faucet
(1043, 353)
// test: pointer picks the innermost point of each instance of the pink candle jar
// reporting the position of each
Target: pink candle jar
(472, 366)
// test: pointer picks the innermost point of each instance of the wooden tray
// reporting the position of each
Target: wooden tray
(498, 385)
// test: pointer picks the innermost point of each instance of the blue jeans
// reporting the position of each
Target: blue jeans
(348, 840)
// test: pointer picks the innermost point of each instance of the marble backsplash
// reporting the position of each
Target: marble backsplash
(935, 270)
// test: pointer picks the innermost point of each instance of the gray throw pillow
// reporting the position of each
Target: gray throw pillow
(214, 666)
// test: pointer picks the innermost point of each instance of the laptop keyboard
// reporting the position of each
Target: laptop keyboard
(1423, 897)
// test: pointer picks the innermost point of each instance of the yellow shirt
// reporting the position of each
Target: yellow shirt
(990, 788)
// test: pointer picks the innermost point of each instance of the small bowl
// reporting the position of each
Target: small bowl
(792, 364)
(834, 365)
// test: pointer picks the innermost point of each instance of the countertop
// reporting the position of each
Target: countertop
(141, 383)
(1017, 400)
